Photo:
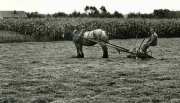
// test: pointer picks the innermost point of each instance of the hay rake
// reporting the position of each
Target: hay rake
(136, 54)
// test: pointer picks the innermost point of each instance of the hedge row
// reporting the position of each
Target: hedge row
(51, 29)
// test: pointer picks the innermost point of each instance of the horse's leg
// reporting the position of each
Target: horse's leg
(81, 51)
(105, 50)
(78, 50)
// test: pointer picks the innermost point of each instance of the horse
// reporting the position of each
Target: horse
(89, 38)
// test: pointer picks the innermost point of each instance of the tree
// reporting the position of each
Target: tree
(75, 14)
(35, 15)
(117, 14)
(93, 11)
(133, 15)
(146, 15)
(161, 13)
(103, 10)
(59, 14)
(86, 9)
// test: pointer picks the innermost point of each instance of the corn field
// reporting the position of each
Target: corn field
(52, 29)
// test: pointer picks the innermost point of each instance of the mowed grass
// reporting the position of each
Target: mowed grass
(46, 72)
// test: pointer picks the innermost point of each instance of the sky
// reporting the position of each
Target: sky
(68, 6)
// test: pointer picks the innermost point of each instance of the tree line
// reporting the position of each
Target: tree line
(157, 13)
(102, 12)
(89, 11)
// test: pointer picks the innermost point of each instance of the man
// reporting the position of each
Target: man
(152, 41)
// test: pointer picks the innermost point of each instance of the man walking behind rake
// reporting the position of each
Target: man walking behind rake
(152, 41)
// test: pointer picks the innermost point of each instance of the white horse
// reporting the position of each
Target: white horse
(89, 38)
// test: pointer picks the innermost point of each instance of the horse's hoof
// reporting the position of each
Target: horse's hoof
(105, 56)
(80, 56)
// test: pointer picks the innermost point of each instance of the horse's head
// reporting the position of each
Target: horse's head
(75, 33)
(78, 33)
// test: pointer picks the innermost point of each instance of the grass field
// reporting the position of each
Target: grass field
(45, 72)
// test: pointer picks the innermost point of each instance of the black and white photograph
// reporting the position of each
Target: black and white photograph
(89, 51)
